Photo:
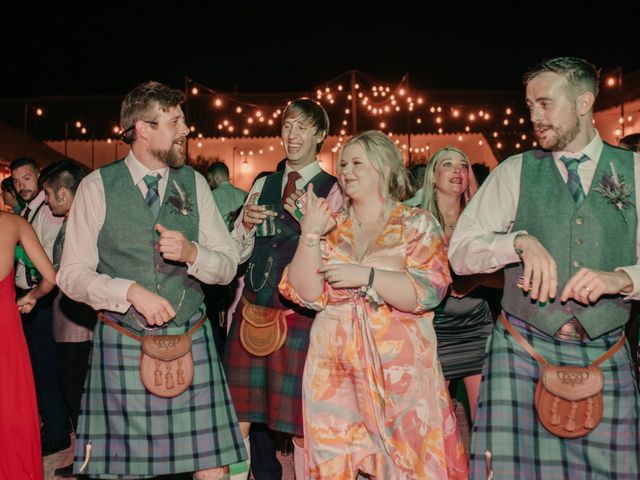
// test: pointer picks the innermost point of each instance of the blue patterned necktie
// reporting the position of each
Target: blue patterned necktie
(153, 198)
(573, 180)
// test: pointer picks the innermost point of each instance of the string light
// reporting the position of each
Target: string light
(380, 105)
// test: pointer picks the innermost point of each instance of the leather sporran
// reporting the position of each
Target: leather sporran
(569, 400)
(263, 330)
(166, 364)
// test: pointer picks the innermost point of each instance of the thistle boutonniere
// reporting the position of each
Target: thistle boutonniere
(613, 188)
(180, 200)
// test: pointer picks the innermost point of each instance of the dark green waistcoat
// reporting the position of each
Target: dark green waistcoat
(127, 240)
(271, 255)
(595, 235)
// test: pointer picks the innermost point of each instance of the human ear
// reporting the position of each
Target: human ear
(584, 103)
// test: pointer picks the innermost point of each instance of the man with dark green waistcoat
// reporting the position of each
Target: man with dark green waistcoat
(267, 390)
(563, 223)
(142, 234)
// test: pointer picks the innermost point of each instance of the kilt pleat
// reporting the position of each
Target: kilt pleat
(269, 389)
(136, 434)
(507, 426)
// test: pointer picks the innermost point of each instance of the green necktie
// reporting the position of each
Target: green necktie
(153, 198)
(573, 179)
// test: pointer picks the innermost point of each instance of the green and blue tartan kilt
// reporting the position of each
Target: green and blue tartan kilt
(136, 434)
(507, 425)
(269, 389)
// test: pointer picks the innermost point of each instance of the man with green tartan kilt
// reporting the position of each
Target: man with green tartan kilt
(141, 235)
(563, 221)
(267, 390)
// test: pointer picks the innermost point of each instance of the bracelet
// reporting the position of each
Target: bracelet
(310, 239)
(313, 236)
(364, 289)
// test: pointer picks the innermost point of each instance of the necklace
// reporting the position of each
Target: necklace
(361, 224)
(451, 227)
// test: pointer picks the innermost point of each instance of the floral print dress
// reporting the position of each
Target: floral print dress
(374, 398)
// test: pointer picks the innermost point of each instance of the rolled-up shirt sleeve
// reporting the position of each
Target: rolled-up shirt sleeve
(217, 260)
(77, 276)
(483, 241)
(634, 270)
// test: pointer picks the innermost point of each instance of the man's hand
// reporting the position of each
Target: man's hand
(155, 309)
(254, 214)
(588, 285)
(540, 276)
(173, 245)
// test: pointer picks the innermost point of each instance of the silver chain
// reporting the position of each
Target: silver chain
(266, 275)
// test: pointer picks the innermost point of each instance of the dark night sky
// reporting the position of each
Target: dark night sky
(271, 47)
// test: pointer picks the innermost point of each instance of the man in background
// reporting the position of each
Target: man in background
(73, 322)
(219, 298)
(228, 197)
(37, 323)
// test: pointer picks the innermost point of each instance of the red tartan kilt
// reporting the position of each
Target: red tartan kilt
(269, 389)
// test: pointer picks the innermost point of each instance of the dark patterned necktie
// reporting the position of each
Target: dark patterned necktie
(25, 213)
(58, 244)
(573, 179)
(290, 187)
(153, 198)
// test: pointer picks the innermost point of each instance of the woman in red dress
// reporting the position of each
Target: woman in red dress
(21, 457)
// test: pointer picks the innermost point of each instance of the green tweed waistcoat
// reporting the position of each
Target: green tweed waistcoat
(127, 240)
(597, 234)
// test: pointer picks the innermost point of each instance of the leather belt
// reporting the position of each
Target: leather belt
(125, 331)
(572, 330)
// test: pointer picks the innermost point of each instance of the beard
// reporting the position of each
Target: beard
(27, 195)
(560, 137)
(172, 157)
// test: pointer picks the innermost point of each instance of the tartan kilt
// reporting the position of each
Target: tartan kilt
(269, 389)
(507, 425)
(136, 434)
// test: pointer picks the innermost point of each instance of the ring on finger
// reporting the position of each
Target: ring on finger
(587, 289)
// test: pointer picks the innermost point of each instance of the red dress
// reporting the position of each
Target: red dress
(20, 454)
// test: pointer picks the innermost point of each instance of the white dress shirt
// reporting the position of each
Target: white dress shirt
(483, 241)
(245, 240)
(46, 226)
(216, 261)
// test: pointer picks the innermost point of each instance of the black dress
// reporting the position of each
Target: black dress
(462, 327)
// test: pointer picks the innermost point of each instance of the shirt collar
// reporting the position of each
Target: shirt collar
(138, 170)
(306, 173)
(592, 150)
(37, 200)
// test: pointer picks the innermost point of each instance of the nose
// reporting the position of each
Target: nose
(184, 129)
(535, 113)
(294, 132)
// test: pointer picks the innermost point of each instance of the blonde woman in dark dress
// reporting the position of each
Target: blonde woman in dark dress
(463, 321)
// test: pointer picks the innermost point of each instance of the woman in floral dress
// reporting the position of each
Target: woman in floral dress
(375, 401)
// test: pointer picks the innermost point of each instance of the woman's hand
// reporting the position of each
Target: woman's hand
(316, 214)
(26, 303)
(345, 275)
